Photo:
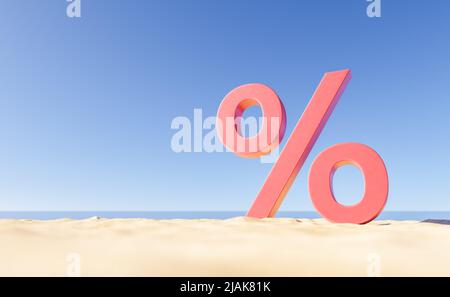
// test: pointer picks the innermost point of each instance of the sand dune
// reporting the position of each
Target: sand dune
(235, 247)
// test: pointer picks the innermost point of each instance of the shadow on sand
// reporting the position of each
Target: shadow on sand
(441, 222)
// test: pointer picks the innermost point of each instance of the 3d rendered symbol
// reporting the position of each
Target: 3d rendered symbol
(297, 149)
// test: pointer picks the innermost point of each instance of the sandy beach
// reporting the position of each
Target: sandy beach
(234, 247)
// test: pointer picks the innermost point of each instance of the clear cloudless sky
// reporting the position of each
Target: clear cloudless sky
(86, 104)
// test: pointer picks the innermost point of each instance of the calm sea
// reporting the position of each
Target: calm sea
(51, 215)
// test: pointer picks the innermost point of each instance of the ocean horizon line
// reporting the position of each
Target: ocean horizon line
(78, 215)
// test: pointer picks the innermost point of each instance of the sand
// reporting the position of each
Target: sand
(234, 247)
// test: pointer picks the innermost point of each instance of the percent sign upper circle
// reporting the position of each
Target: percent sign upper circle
(297, 149)
(230, 118)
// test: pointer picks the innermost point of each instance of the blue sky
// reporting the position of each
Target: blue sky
(86, 104)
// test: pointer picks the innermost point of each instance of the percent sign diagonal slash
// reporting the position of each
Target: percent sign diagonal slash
(299, 146)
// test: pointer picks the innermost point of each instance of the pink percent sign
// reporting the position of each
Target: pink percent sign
(297, 149)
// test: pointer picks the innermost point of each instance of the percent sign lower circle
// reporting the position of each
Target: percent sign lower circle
(297, 149)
